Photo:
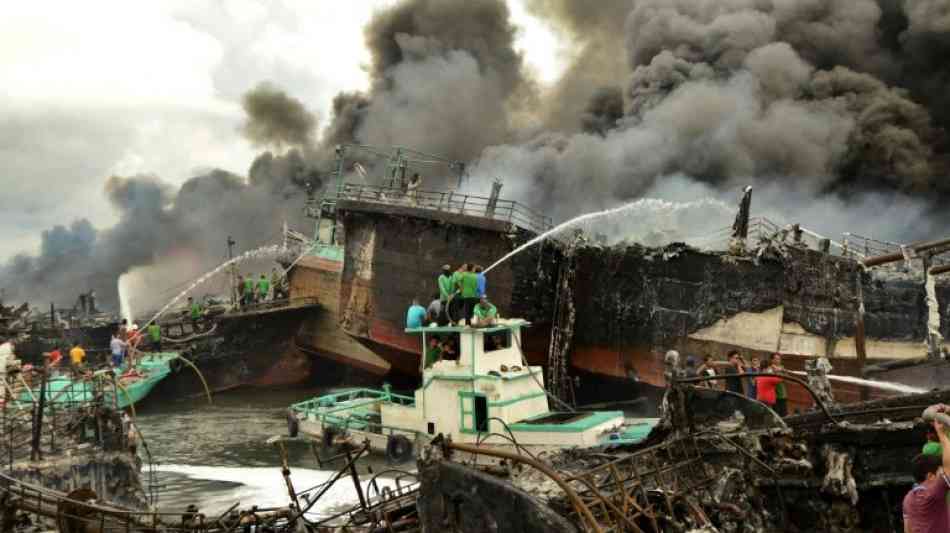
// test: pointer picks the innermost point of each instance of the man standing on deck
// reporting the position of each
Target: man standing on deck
(446, 287)
(249, 289)
(781, 394)
(734, 384)
(276, 284)
(239, 290)
(481, 280)
(412, 188)
(77, 355)
(117, 347)
(155, 335)
(468, 287)
(415, 317)
(194, 311)
(750, 385)
(263, 288)
(925, 506)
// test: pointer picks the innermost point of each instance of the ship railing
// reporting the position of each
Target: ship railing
(453, 202)
(301, 301)
(330, 403)
(339, 410)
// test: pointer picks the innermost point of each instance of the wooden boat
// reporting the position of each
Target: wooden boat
(134, 384)
(488, 396)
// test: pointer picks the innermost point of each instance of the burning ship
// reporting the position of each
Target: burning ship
(604, 316)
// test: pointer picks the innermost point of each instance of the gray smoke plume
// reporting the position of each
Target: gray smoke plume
(585, 97)
(804, 94)
(158, 223)
(276, 119)
(445, 79)
(838, 104)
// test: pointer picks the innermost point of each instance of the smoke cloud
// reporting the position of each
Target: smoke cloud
(834, 109)
(276, 119)
(803, 95)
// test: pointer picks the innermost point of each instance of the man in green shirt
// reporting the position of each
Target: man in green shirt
(486, 314)
(433, 352)
(468, 290)
(263, 288)
(446, 287)
(248, 289)
(155, 335)
(194, 311)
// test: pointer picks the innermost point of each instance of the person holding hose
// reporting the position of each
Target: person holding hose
(925, 507)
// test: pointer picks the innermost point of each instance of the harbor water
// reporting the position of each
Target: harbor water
(214, 456)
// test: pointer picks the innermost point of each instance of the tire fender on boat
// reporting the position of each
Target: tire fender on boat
(293, 425)
(398, 449)
(175, 365)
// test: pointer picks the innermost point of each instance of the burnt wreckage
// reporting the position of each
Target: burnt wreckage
(716, 462)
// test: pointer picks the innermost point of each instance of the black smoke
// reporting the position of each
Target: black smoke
(835, 100)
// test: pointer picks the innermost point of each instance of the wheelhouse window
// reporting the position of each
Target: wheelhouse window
(498, 340)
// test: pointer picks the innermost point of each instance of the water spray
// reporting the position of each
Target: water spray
(650, 204)
(883, 385)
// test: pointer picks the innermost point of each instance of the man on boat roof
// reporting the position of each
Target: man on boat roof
(485, 314)
(415, 317)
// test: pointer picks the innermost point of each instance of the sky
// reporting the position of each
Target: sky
(92, 89)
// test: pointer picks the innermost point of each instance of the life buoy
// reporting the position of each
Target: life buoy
(175, 365)
(398, 449)
(293, 425)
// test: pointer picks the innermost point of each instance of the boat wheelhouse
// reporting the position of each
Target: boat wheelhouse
(487, 396)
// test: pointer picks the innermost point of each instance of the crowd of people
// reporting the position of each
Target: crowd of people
(461, 299)
(768, 389)
(251, 290)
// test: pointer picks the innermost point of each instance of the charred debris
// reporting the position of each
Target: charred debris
(717, 462)
(83, 467)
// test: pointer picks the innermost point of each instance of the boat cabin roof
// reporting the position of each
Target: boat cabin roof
(502, 325)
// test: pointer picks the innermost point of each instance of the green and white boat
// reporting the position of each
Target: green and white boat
(486, 397)
(133, 385)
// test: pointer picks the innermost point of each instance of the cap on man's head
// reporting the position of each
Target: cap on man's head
(446, 267)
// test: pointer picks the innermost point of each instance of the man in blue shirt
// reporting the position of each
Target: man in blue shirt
(481, 280)
(416, 316)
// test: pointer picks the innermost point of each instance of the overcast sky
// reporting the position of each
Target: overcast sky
(90, 89)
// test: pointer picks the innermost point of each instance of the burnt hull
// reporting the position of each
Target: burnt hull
(318, 276)
(630, 304)
(633, 304)
(242, 349)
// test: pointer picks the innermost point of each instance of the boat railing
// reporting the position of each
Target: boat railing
(453, 202)
(339, 409)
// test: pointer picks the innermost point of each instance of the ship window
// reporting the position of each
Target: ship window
(431, 428)
(498, 340)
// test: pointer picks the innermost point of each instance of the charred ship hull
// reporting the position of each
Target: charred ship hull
(255, 347)
(629, 304)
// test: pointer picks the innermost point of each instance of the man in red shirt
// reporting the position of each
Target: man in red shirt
(925, 506)
(55, 357)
